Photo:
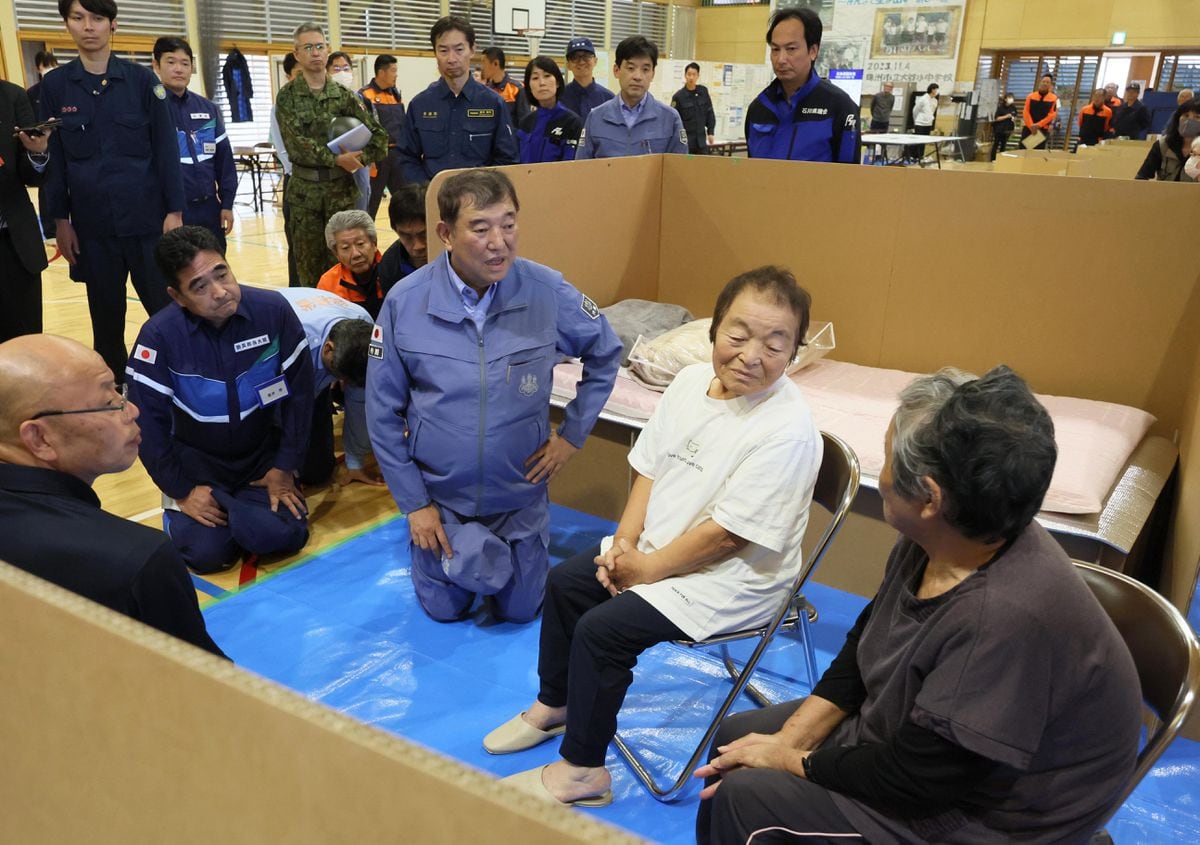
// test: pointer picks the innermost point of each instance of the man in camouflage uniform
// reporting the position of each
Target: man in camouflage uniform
(321, 184)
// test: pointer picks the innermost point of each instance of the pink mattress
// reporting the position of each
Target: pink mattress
(1095, 439)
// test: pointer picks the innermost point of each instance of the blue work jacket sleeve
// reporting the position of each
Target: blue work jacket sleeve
(850, 149)
(387, 410)
(296, 409)
(504, 144)
(165, 144)
(152, 390)
(54, 188)
(224, 167)
(678, 142)
(354, 428)
(584, 333)
(412, 158)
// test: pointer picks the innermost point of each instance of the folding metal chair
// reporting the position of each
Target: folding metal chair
(837, 484)
(1166, 653)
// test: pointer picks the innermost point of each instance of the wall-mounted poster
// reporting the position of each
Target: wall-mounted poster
(823, 8)
(916, 32)
(841, 53)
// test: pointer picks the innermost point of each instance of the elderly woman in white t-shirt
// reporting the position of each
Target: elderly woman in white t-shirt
(723, 478)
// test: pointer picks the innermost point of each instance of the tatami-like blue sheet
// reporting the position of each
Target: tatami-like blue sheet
(344, 628)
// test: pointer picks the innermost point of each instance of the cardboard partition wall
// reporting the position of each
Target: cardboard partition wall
(116, 733)
(917, 270)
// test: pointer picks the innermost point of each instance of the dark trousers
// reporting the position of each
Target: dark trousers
(20, 294)
(319, 461)
(388, 174)
(103, 265)
(999, 145)
(914, 152)
(253, 527)
(293, 277)
(780, 807)
(590, 642)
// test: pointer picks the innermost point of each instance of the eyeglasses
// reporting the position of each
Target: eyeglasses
(312, 48)
(123, 390)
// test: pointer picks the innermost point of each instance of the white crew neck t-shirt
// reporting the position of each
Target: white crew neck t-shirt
(747, 464)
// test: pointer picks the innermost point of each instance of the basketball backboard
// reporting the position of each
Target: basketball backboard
(509, 16)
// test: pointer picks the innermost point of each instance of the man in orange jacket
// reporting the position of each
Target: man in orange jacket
(1095, 120)
(1041, 107)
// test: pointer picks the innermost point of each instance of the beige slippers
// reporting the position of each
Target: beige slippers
(518, 735)
(531, 781)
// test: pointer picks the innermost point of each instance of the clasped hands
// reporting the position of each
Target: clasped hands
(622, 566)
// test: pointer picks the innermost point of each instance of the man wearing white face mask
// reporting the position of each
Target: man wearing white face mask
(1174, 157)
(341, 71)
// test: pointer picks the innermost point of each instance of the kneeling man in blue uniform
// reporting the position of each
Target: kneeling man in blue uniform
(458, 402)
(225, 385)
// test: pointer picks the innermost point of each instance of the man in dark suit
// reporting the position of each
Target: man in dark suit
(22, 256)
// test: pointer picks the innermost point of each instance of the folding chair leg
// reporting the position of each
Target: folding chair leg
(810, 661)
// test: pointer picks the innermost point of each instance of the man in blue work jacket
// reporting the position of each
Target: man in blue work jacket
(205, 154)
(224, 382)
(458, 401)
(632, 123)
(583, 93)
(338, 332)
(456, 121)
(113, 183)
(801, 116)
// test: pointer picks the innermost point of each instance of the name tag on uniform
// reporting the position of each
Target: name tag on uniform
(252, 343)
(203, 115)
(481, 112)
(210, 147)
(272, 391)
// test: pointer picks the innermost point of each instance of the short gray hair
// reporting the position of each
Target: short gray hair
(987, 443)
(343, 221)
(307, 26)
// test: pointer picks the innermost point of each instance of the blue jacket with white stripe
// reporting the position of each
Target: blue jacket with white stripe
(205, 157)
(817, 123)
(200, 391)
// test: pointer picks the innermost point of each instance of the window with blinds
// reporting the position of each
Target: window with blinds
(258, 130)
(1183, 72)
(567, 19)
(479, 14)
(261, 20)
(380, 26)
(137, 17)
(633, 17)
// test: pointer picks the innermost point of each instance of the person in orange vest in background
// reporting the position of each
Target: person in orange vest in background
(1095, 120)
(497, 78)
(351, 236)
(1041, 107)
(384, 97)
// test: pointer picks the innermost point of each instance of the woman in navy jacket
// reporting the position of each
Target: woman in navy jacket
(551, 131)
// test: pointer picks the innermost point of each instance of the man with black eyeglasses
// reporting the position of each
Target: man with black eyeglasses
(63, 423)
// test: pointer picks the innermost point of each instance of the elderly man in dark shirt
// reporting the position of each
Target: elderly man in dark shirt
(881, 108)
(63, 423)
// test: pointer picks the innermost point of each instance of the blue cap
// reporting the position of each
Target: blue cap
(580, 45)
(482, 562)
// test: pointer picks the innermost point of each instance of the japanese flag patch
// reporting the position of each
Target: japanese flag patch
(375, 347)
(145, 353)
(589, 307)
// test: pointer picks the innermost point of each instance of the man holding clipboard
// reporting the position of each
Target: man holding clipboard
(321, 184)
(1041, 107)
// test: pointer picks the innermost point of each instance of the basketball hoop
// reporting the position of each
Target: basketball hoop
(534, 37)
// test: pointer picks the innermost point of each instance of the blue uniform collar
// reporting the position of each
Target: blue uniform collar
(446, 301)
(616, 116)
(471, 91)
(115, 69)
(775, 89)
